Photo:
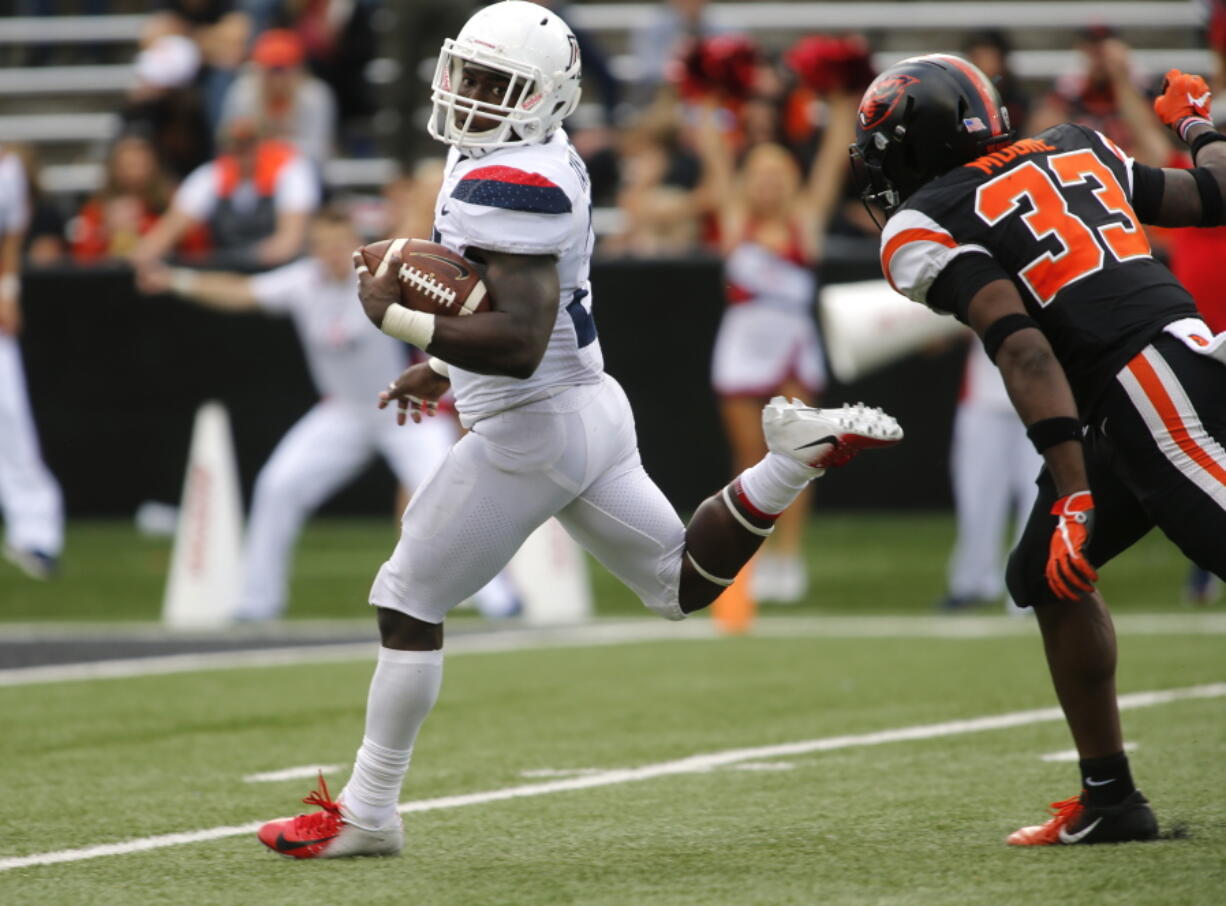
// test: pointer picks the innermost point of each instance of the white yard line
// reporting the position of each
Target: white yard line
(599, 634)
(692, 765)
(764, 766)
(307, 770)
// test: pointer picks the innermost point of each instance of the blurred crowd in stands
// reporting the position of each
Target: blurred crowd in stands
(238, 105)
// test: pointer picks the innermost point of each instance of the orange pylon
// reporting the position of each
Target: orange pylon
(735, 609)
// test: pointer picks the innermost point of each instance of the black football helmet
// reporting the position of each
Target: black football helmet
(922, 117)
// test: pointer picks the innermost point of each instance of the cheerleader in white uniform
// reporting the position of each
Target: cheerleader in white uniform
(771, 225)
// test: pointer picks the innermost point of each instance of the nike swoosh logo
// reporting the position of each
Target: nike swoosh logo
(285, 846)
(828, 439)
(461, 271)
(1200, 101)
(444, 212)
(1066, 837)
(1090, 781)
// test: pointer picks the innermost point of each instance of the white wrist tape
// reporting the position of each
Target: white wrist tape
(183, 281)
(414, 327)
(439, 367)
(10, 284)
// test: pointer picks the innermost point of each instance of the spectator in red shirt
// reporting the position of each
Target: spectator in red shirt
(135, 194)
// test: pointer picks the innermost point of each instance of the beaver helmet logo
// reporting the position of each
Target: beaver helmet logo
(882, 97)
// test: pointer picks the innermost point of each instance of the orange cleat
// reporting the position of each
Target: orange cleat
(328, 833)
(1073, 821)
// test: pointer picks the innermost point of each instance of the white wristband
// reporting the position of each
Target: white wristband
(10, 284)
(414, 327)
(439, 367)
(183, 281)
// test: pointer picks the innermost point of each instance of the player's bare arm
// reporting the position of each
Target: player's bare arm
(213, 289)
(1188, 197)
(508, 341)
(161, 238)
(286, 241)
(1034, 378)
(1040, 392)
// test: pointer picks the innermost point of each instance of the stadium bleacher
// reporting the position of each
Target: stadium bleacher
(71, 136)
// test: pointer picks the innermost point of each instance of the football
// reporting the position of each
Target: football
(433, 278)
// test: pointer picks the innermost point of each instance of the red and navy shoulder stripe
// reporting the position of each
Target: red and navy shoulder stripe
(513, 189)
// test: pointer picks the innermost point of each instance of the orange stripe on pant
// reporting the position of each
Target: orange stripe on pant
(1151, 384)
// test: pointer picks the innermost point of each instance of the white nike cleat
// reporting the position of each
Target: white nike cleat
(825, 438)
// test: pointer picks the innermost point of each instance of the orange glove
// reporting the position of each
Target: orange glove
(1183, 96)
(1069, 573)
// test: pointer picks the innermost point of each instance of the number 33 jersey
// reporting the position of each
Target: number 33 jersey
(1053, 214)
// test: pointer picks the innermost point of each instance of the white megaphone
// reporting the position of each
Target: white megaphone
(867, 326)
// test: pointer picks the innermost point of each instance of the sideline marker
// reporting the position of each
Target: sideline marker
(550, 573)
(735, 609)
(206, 565)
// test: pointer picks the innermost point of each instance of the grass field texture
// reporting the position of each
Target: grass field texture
(918, 821)
(858, 564)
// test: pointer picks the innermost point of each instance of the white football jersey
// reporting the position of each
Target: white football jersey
(527, 200)
(348, 361)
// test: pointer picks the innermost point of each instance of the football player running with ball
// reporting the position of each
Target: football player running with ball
(550, 433)
(1037, 244)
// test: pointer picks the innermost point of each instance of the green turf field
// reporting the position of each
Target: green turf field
(916, 820)
(857, 564)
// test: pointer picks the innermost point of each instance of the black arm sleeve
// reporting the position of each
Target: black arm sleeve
(954, 287)
(1148, 185)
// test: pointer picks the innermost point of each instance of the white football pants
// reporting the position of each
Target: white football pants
(29, 494)
(326, 449)
(574, 456)
(994, 467)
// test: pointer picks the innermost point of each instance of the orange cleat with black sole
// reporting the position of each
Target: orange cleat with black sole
(1073, 821)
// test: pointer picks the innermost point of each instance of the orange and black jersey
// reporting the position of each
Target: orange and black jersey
(1054, 214)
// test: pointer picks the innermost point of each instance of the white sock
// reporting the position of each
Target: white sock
(402, 692)
(773, 483)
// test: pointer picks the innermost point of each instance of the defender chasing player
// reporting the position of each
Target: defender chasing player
(1038, 246)
(550, 433)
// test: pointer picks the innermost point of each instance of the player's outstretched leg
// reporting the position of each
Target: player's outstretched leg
(728, 527)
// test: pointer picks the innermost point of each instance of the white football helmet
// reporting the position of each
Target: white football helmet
(540, 55)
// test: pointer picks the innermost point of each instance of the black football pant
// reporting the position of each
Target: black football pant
(1156, 455)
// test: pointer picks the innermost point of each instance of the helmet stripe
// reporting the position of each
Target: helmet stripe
(981, 85)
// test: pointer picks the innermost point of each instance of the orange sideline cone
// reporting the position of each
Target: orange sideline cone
(734, 610)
